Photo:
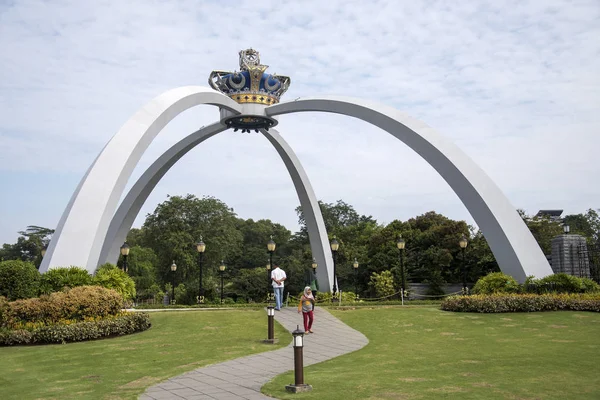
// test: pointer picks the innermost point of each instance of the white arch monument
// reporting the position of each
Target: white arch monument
(94, 225)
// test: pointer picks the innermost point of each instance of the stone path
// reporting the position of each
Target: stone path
(242, 378)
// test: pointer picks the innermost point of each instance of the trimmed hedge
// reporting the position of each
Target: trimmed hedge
(18, 280)
(73, 304)
(118, 325)
(502, 303)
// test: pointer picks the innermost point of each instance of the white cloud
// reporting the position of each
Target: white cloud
(515, 85)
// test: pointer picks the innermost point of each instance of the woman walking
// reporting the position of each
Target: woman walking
(307, 306)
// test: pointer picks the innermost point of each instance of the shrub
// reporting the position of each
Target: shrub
(74, 304)
(122, 324)
(382, 283)
(57, 279)
(496, 282)
(507, 302)
(111, 277)
(589, 286)
(325, 297)
(18, 280)
(560, 283)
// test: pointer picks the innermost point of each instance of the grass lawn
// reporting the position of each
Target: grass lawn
(425, 353)
(121, 368)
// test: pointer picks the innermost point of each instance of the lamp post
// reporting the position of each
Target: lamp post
(355, 265)
(271, 249)
(270, 294)
(299, 385)
(314, 266)
(400, 243)
(200, 247)
(270, 325)
(335, 245)
(125, 253)
(463, 242)
(221, 271)
(271, 245)
(173, 269)
(566, 229)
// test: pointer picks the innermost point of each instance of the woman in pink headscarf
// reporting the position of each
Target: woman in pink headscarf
(306, 306)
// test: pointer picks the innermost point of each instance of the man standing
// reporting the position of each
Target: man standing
(277, 278)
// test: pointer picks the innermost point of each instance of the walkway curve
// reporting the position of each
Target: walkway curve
(243, 377)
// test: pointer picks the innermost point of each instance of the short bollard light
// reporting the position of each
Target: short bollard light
(271, 331)
(299, 385)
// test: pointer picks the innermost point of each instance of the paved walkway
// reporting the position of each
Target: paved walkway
(242, 378)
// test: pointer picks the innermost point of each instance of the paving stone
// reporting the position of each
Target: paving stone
(243, 378)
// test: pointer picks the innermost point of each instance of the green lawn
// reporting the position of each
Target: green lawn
(425, 353)
(123, 367)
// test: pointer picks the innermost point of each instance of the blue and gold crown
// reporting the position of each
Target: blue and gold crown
(251, 84)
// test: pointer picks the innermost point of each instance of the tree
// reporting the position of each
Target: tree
(141, 266)
(29, 245)
(543, 230)
(174, 227)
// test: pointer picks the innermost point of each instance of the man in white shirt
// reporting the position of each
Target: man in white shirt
(277, 278)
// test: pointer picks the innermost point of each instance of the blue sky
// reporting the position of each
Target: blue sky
(514, 84)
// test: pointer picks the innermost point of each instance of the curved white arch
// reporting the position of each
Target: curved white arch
(513, 245)
(85, 221)
(315, 225)
(130, 206)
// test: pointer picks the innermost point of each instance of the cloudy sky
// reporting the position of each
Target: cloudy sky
(515, 84)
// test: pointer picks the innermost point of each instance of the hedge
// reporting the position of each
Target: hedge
(118, 325)
(501, 303)
(73, 304)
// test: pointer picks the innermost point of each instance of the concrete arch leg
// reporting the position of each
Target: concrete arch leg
(513, 245)
(130, 206)
(83, 226)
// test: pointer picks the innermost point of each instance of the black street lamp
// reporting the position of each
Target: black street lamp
(566, 229)
(271, 249)
(401, 244)
(355, 265)
(125, 253)
(314, 266)
(463, 245)
(221, 271)
(200, 247)
(335, 245)
(268, 273)
(271, 245)
(173, 269)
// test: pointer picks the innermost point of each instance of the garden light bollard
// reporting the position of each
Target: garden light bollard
(270, 326)
(299, 385)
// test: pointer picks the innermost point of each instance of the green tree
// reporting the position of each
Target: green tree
(141, 265)
(29, 245)
(176, 224)
(543, 230)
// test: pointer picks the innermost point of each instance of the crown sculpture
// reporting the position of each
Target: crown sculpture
(250, 85)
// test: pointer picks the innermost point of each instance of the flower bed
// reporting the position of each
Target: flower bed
(74, 331)
(505, 302)
(81, 313)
